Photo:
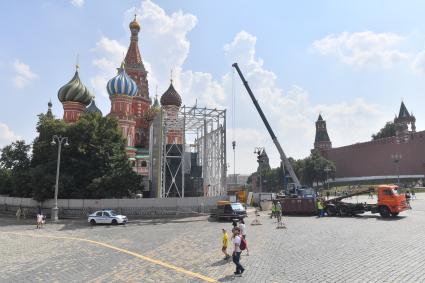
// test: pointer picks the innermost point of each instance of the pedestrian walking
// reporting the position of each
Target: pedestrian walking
(234, 223)
(408, 197)
(328, 194)
(413, 195)
(242, 228)
(39, 220)
(319, 207)
(236, 256)
(18, 214)
(225, 242)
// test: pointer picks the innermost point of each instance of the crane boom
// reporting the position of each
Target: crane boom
(269, 129)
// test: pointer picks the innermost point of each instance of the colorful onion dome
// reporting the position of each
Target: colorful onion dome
(122, 84)
(92, 108)
(134, 24)
(171, 97)
(74, 91)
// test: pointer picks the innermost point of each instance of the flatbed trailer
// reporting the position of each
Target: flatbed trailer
(390, 203)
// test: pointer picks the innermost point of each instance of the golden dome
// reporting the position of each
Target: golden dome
(134, 24)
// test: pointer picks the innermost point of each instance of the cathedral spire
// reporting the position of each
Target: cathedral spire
(133, 61)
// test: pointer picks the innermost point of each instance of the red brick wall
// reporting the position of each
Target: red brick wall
(374, 158)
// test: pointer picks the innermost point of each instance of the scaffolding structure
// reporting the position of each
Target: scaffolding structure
(204, 137)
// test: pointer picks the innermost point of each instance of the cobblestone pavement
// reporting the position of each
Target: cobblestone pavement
(354, 249)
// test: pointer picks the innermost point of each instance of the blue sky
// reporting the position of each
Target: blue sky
(351, 60)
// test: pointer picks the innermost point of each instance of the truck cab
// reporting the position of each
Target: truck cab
(390, 202)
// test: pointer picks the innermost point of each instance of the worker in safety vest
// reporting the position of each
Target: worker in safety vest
(274, 209)
(319, 207)
(278, 209)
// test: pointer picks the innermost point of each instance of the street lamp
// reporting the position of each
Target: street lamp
(59, 140)
(396, 158)
(258, 150)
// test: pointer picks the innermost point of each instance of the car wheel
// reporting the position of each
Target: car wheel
(93, 222)
(384, 211)
(114, 222)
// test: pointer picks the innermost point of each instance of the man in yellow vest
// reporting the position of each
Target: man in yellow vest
(320, 207)
(274, 209)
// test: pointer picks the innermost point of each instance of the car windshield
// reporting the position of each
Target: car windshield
(113, 213)
(237, 207)
(395, 192)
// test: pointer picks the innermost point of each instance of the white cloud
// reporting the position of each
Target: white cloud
(291, 113)
(111, 52)
(77, 3)
(361, 49)
(164, 45)
(24, 76)
(7, 135)
(418, 64)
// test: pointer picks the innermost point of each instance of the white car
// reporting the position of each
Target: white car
(107, 217)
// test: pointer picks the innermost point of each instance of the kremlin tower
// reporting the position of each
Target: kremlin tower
(321, 141)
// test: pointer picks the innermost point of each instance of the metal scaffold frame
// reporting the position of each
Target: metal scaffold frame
(207, 128)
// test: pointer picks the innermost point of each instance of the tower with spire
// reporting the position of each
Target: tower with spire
(402, 122)
(135, 68)
(321, 141)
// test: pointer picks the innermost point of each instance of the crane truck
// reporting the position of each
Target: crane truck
(390, 203)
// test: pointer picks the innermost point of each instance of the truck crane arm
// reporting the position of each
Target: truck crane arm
(285, 161)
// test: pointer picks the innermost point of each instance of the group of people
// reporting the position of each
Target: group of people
(238, 241)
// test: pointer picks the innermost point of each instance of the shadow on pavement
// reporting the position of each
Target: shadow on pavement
(221, 262)
(379, 218)
(227, 278)
(82, 224)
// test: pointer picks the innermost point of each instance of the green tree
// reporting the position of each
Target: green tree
(314, 170)
(15, 165)
(387, 131)
(94, 165)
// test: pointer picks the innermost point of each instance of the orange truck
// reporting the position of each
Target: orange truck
(390, 203)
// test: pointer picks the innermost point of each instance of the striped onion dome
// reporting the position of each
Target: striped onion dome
(122, 84)
(75, 91)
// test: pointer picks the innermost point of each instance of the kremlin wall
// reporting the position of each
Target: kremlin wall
(383, 159)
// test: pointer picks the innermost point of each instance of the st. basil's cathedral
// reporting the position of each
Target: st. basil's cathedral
(131, 104)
